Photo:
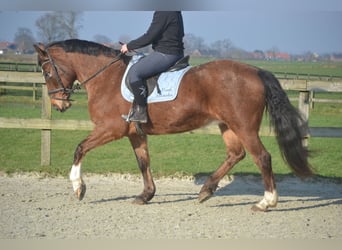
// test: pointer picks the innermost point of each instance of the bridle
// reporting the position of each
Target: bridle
(69, 91)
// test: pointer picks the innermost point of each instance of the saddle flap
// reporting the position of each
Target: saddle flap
(152, 82)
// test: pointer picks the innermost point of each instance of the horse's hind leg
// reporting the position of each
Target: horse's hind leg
(139, 144)
(235, 153)
(262, 159)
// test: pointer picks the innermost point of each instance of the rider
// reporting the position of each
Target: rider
(166, 36)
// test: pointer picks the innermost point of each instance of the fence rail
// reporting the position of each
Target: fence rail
(20, 66)
(46, 124)
(34, 80)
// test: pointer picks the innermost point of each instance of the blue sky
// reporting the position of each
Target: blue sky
(309, 26)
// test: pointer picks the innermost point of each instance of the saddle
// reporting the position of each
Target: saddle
(152, 82)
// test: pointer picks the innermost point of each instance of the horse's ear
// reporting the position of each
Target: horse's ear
(39, 47)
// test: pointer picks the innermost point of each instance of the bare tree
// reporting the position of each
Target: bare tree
(193, 42)
(48, 30)
(223, 47)
(58, 26)
(70, 23)
(24, 39)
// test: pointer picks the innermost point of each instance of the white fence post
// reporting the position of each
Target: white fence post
(303, 106)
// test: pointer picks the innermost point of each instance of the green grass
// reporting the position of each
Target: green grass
(182, 154)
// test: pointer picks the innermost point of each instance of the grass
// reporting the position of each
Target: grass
(182, 154)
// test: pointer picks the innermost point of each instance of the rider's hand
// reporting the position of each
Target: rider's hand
(124, 49)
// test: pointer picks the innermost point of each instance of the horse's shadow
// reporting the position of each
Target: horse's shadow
(251, 185)
(323, 200)
(119, 198)
(306, 196)
(189, 196)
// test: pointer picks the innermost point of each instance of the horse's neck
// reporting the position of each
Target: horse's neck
(91, 68)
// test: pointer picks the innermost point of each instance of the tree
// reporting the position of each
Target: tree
(24, 39)
(271, 53)
(58, 25)
(193, 43)
(223, 47)
(70, 23)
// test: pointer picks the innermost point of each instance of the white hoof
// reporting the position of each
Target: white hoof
(77, 183)
(270, 200)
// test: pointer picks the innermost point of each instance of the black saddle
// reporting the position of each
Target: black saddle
(152, 82)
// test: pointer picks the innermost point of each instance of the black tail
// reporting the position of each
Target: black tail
(288, 125)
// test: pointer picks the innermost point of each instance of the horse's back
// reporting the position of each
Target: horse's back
(225, 79)
(218, 90)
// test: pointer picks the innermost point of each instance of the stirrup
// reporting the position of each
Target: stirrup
(138, 117)
(129, 115)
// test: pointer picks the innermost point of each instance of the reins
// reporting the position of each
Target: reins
(77, 86)
(115, 59)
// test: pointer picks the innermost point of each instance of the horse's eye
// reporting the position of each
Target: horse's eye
(46, 74)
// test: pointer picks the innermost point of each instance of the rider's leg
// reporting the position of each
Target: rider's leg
(139, 113)
(148, 66)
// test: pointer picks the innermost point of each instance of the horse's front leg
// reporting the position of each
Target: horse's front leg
(77, 182)
(99, 136)
(139, 144)
(76, 173)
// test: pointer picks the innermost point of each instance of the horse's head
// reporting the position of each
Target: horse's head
(59, 80)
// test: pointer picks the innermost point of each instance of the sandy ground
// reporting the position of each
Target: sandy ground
(33, 207)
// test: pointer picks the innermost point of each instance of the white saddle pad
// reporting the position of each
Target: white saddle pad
(168, 84)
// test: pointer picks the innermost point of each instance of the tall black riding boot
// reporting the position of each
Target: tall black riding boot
(139, 112)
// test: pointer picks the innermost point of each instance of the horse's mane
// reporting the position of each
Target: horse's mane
(84, 47)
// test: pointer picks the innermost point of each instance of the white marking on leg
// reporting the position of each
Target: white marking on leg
(75, 176)
(270, 200)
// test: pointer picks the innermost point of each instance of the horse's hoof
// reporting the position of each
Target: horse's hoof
(256, 208)
(139, 201)
(204, 196)
(80, 192)
(270, 200)
(262, 208)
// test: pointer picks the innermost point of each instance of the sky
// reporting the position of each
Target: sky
(313, 26)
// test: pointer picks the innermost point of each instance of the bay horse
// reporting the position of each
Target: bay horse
(232, 93)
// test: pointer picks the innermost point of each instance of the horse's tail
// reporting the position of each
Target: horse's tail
(288, 125)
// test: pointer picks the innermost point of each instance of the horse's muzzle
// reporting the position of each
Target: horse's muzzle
(61, 106)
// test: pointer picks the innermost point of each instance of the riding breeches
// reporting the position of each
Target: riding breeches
(150, 65)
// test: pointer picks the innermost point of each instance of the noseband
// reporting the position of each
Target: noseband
(69, 91)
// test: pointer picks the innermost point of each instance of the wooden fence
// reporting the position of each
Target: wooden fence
(46, 124)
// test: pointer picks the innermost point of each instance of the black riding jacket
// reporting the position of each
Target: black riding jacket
(165, 33)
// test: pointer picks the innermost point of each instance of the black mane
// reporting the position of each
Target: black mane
(84, 47)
